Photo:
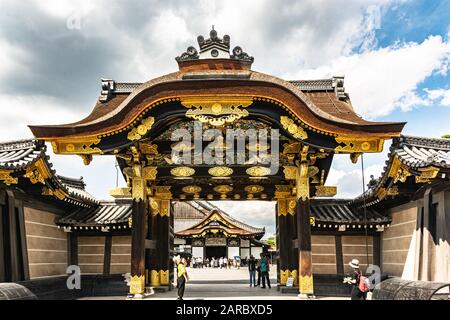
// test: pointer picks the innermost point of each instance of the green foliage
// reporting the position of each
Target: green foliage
(446, 136)
(272, 241)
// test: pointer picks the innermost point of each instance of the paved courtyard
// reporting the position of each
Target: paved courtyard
(223, 284)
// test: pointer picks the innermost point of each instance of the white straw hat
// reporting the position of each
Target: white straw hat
(354, 263)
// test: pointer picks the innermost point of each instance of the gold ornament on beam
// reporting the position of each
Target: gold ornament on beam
(326, 191)
(427, 174)
(120, 193)
(354, 156)
(76, 146)
(220, 172)
(87, 158)
(258, 171)
(141, 130)
(195, 190)
(182, 172)
(399, 171)
(295, 130)
(5, 176)
(216, 110)
(149, 173)
(37, 172)
(223, 190)
(290, 172)
(302, 182)
(57, 193)
(356, 144)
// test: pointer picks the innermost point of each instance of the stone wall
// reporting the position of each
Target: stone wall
(354, 247)
(398, 241)
(91, 254)
(121, 254)
(46, 244)
(323, 254)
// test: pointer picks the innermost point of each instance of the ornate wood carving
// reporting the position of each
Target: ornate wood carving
(216, 110)
(295, 130)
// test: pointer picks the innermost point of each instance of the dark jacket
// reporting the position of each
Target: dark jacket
(252, 264)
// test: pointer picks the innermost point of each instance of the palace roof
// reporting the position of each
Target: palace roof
(218, 220)
(321, 104)
(108, 214)
(341, 212)
(412, 162)
(25, 163)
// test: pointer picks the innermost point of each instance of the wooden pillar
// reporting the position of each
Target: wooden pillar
(376, 249)
(138, 234)
(2, 234)
(73, 249)
(305, 273)
(339, 255)
(425, 274)
(159, 256)
(293, 252)
(284, 243)
(107, 255)
(24, 269)
(171, 246)
(13, 245)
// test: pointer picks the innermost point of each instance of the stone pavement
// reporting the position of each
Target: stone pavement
(223, 284)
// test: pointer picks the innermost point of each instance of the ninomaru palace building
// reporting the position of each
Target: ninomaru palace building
(401, 223)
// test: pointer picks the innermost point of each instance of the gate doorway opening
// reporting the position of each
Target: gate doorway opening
(215, 252)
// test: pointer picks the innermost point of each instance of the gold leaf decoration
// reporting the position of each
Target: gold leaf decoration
(220, 171)
(258, 171)
(141, 130)
(182, 171)
(5, 176)
(216, 110)
(254, 189)
(295, 130)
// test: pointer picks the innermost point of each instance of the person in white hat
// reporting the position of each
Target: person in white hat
(357, 281)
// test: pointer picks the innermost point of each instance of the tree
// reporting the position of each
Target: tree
(446, 136)
(272, 241)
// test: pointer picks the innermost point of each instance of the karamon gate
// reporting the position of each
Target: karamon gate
(135, 122)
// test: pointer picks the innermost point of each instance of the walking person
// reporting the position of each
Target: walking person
(265, 272)
(182, 276)
(252, 270)
(221, 262)
(358, 282)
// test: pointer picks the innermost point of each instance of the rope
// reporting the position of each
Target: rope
(364, 208)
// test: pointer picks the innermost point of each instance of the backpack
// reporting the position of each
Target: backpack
(363, 285)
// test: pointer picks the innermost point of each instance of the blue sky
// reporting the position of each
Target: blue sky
(394, 55)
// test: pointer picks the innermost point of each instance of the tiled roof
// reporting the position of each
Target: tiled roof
(416, 153)
(307, 85)
(341, 212)
(313, 85)
(420, 152)
(16, 155)
(107, 213)
(210, 207)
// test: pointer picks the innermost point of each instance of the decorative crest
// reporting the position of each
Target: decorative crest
(214, 48)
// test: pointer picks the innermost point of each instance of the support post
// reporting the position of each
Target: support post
(138, 232)
(306, 286)
(159, 257)
(285, 217)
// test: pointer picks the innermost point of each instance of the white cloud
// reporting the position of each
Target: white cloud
(441, 96)
(383, 79)
(19, 111)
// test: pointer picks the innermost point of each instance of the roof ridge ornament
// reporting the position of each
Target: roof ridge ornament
(214, 48)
